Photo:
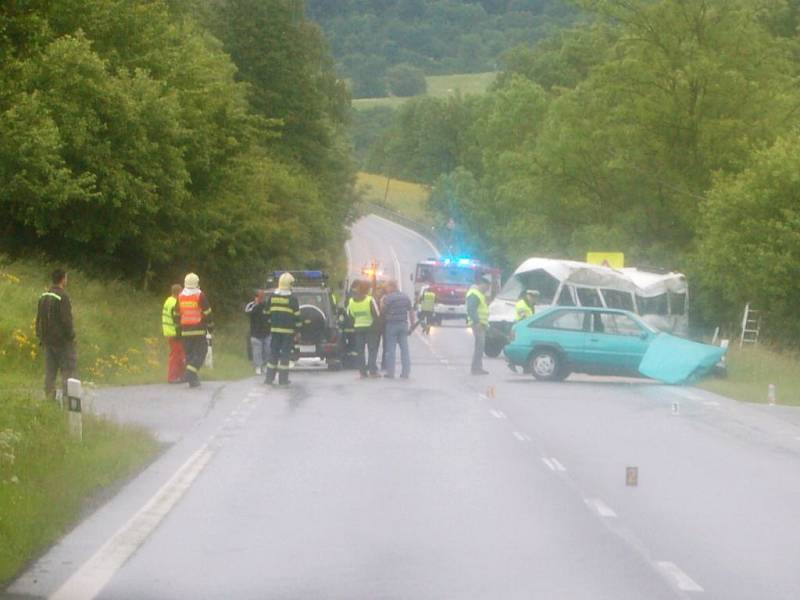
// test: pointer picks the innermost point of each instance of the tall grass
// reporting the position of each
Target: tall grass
(408, 199)
(46, 476)
(752, 369)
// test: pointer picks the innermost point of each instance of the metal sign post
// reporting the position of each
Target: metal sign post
(74, 397)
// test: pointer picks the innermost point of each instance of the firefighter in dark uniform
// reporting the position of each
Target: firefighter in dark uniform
(285, 322)
(196, 324)
(56, 333)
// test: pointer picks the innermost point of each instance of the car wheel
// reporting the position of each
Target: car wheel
(546, 365)
(335, 365)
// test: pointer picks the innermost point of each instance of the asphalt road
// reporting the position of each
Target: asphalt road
(446, 486)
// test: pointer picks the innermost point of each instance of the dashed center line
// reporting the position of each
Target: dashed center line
(498, 414)
(521, 436)
(603, 509)
(681, 579)
(553, 464)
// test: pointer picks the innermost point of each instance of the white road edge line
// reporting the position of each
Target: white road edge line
(96, 572)
(558, 465)
(549, 464)
(603, 509)
(398, 275)
(683, 581)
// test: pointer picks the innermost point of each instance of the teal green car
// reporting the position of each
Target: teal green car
(604, 341)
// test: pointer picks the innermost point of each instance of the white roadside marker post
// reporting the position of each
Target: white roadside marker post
(632, 476)
(74, 396)
(676, 408)
(771, 394)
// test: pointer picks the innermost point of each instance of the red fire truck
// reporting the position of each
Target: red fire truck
(450, 278)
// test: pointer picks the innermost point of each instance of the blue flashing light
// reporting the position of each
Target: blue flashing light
(464, 261)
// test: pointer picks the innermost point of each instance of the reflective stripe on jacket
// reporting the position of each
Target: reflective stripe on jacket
(284, 313)
(168, 324)
(523, 310)
(195, 313)
(362, 312)
(482, 307)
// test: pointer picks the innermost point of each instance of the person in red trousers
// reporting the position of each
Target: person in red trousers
(170, 324)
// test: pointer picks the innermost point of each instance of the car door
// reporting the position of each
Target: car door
(616, 343)
(566, 329)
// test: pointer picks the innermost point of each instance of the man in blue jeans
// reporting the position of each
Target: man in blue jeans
(396, 308)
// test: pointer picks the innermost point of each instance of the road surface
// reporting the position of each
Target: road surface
(447, 486)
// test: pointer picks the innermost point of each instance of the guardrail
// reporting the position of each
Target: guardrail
(428, 232)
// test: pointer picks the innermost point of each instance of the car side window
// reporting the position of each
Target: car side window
(617, 324)
(565, 297)
(589, 297)
(567, 320)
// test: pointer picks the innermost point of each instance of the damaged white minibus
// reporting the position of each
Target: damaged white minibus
(660, 297)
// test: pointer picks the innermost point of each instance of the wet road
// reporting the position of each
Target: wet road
(450, 486)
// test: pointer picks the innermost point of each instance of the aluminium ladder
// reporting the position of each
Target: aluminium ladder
(751, 326)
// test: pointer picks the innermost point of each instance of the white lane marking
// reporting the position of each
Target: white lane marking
(558, 465)
(683, 581)
(498, 414)
(603, 509)
(398, 274)
(521, 436)
(96, 572)
(549, 464)
(412, 233)
(711, 403)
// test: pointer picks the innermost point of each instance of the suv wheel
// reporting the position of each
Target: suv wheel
(547, 365)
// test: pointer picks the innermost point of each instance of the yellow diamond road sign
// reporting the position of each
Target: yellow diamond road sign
(615, 260)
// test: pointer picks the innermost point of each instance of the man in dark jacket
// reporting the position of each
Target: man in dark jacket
(285, 321)
(259, 331)
(56, 333)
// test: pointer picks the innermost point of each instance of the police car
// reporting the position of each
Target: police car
(320, 337)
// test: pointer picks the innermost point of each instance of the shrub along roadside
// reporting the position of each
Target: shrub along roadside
(46, 477)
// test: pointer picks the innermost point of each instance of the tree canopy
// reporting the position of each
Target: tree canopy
(440, 37)
(150, 137)
(662, 129)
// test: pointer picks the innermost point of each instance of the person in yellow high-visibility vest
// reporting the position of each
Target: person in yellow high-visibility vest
(478, 320)
(526, 305)
(363, 309)
(170, 326)
(427, 304)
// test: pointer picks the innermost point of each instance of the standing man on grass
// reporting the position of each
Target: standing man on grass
(170, 325)
(56, 333)
(196, 322)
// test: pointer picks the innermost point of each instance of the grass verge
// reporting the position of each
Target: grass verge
(46, 477)
(408, 199)
(439, 86)
(118, 330)
(751, 370)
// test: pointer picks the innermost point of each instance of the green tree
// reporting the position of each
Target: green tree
(406, 80)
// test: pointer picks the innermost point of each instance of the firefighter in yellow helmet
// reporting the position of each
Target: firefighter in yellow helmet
(283, 310)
